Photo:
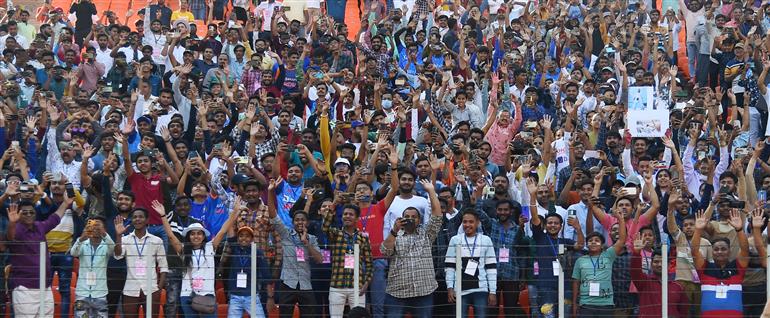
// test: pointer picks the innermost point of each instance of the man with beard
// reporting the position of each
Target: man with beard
(113, 210)
(380, 55)
(221, 71)
(252, 75)
(500, 184)
(61, 157)
(650, 286)
(258, 144)
(425, 168)
(507, 235)
(288, 191)
(154, 37)
(405, 198)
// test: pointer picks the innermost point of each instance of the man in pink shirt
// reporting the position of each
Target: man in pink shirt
(90, 71)
(625, 203)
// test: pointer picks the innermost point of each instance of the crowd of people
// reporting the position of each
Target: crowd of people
(152, 157)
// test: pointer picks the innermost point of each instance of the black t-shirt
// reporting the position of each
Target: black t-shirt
(83, 11)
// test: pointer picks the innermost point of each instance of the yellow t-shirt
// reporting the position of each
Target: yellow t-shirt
(179, 15)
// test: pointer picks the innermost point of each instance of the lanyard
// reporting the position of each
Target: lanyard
(198, 257)
(468, 245)
(93, 254)
(553, 246)
(365, 219)
(351, 241)
(136, 243)
(596, 264)
(243, 260)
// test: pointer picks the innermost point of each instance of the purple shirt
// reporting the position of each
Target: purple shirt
(25, 253)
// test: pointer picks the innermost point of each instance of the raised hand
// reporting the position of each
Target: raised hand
(157, 206)
(428, 186)
(638, 242)
(165, 134)
(274, 184)
(700, 220)
(119, 227)
(30, 123)
(13, 213)
(668, 142)
(88, 151)
(129, 127)
(758, 217)
(735, 219)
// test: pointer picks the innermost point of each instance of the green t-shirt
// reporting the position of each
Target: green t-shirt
(590, 270)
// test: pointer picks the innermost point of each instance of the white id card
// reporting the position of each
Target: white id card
(556, 267)
(504, 255)
(327, 255)
(471, 268)
(140, 269)
(721, 291)
(349, 261)
(241, 280)
(300, 254)
(594, 289)
(90, 278)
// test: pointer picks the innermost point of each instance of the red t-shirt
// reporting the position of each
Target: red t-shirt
(145, 191)
(370, 223)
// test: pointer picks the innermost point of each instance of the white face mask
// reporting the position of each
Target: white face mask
(387, 104)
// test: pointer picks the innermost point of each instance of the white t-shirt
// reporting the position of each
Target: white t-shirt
(199, 277)
(396, 210)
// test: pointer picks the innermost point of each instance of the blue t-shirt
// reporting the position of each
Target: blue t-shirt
(285, 199)
(545, 256)
(212, 213)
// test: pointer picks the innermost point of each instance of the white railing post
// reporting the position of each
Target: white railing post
(253, 302)
(148, 296)
(356, 276)
(664, 283)
(42, 273)
(459, 281)
(561, 282)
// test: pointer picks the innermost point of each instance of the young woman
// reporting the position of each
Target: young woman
(479, 266)
(198, 255)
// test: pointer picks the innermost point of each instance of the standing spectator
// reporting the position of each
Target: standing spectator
(142, 261)
(479, 263)
(592, 275)
(650, 288)
(507, 236)
(411, 280)
(343, 241)
(24, 235)
(91, 291)
(85, 12)
(159, 11)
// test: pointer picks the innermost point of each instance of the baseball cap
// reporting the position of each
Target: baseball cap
(342, 161)
(240, 179)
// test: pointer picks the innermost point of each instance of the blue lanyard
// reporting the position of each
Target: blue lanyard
(595, 265)
(351, 241)
(365, 219)
(198, 257)
(474, 244)
(136, 243)
(93, 254)
(553, 246)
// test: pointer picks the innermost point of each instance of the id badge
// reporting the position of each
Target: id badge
(349, 261)
(721, 291)
(300, 254)
(471, 268)
(504, 255)
(593, 289)
(197, 283)
(556, 268)
(365, 234)
(536, 269)
(241, 280)
(90, 278)
(695, 277)
(140, 269)
(327, 256)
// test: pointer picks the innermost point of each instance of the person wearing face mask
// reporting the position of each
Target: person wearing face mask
(299, 248)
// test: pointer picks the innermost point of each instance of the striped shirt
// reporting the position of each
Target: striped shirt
(721, 290)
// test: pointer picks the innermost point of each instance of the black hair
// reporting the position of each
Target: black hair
(555, 215)
(595, 234)
(143, 210)
(354, 208)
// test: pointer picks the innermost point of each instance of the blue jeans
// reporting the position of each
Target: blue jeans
(186, 303)
(377, 289)
(692, 56)
(173, 290)
(551, 296)
(479, 301)
(91, 307)
(239, 304)
(419, 307)
(534, 305)
(62, 263)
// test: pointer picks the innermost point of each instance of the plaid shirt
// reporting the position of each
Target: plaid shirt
(342, 244)
(411, 272)
(509, 239)
(252, 80)
(266, 147)
(621, 281)
(421, 7)
(383, 59)
(267, 238)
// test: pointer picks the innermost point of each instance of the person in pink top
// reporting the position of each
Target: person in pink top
(500, 128)
(90, 71)
(625, 203)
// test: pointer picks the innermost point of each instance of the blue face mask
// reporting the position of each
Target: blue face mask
(387, 104)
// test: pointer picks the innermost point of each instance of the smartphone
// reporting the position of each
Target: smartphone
(192, 154)
(531, 124)
(218, 146)
(400, 82)
(286, 9)
(70, 190)
(409, 222)
(630, 190)
(571, 213)
(701, 155)
(761, 195)
(525, 212)
(242, 160)
(15, 144)
(526, 134)
(591, 154)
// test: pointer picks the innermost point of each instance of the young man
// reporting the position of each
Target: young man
(412, 282)
(142, 259)
(343, 242)
(649, 285)
(94, 248)
(299, 248)
(592, 275)
(24, 235)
